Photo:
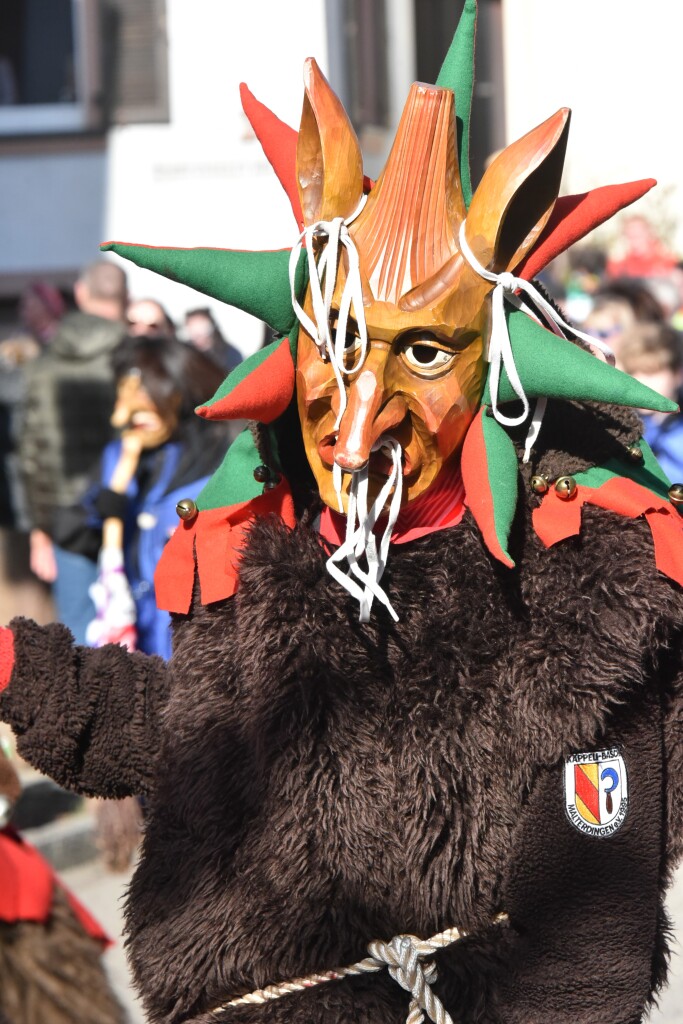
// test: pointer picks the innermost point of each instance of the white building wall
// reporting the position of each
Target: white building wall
(202, 179)
(616, 63)
(51, 215)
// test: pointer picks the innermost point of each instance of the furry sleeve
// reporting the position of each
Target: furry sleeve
(89, 718)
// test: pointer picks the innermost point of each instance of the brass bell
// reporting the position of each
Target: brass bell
(261, 474)
(186, 509)
(539, 484)
(676, 495)
(634, 452)
(565, 487)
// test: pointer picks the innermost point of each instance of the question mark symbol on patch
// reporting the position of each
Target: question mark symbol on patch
(609, 773)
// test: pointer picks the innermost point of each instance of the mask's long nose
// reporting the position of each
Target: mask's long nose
(367, 416)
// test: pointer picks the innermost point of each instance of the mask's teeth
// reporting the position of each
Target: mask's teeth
(337, 479)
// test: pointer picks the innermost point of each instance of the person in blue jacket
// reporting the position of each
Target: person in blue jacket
(653, 354)
(164, 453)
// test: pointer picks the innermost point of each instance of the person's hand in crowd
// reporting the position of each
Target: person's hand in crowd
(42, 557)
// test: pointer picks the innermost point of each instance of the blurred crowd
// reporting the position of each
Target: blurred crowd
(631, 297)
(99, 441)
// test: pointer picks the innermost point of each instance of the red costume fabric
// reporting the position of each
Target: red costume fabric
(216, 537)
(6, 656)
(441, 506)
(556, 519)
(28, 884)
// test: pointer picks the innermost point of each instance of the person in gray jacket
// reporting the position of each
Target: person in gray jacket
(69, 398)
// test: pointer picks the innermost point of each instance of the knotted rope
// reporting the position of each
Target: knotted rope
(360, 540)
(403, 956)
(500, 353)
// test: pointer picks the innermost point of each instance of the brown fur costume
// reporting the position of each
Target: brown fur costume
(315, 783)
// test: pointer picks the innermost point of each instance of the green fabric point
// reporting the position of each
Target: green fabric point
(556, 368)
(502, 469)
(648, 473)
(457, 73)
(233, 482)
(257, 282)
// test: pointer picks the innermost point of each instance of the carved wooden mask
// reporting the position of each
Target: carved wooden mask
(426, 310)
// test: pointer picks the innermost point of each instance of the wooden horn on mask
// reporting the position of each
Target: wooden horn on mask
(328, 157)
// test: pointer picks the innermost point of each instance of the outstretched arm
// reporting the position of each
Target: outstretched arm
(89, 718)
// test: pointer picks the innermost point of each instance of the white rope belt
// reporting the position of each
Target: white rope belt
(403, 956)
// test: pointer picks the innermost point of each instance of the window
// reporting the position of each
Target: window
(135, 61)
(48, 66)
(435, 23)
(358, 61)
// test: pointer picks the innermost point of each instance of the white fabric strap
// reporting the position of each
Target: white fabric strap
(500, 353)
(360, 539)
(323, 279)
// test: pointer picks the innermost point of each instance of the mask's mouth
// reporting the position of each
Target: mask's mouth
(366, 556)
(380, 463)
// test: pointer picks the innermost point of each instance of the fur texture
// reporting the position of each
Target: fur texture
(321, 783)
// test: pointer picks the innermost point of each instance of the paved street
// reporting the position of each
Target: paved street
(670, 1010)
(102, 893)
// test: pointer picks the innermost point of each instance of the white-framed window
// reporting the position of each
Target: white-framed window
(49, 66)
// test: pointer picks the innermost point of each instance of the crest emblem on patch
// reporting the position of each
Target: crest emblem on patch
(596, 792)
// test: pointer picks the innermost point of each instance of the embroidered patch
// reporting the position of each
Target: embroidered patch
(596, 792)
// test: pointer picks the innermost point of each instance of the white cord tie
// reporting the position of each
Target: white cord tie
(323, 278)
(500, 353)
(402, 955)
(360, 539)
(403, 958)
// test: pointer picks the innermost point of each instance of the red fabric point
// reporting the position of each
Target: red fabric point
(478, 496)
(279, 141)
(216, 537)
(574, 216)
(555, 520)
(279, 145)
(6, 656)
(263, 395)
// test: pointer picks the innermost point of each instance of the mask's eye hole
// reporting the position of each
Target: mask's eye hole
(352, 346)
(427, 357)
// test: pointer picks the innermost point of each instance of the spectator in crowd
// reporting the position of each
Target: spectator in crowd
(165, 453)
(39, 312)
(69, 397)
(148, 318)
(41, 308)
(203, 332)
(652, 353)
(618, 306)
(639, 252)
(586, 270)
